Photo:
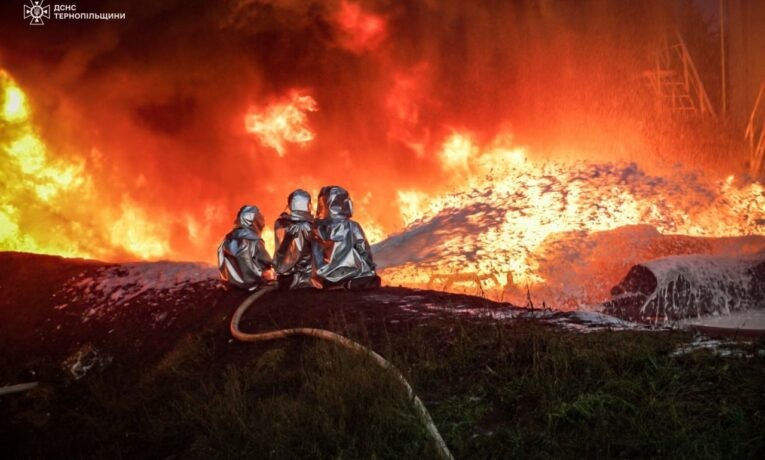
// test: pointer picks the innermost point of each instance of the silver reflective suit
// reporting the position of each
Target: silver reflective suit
(293, 233)
(242, 257)
(341, 253)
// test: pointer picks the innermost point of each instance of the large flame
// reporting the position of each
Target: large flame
(495, 135)
(510, 209)
(50, 205)
(535, 200)
(282, 122)
(31, 178)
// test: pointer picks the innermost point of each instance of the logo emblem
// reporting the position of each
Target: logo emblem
(36, 10)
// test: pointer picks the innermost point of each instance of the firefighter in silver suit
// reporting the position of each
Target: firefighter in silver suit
(341, 254)
(293, 234)
(243, 260)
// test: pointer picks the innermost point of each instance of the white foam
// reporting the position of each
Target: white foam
(117, 285)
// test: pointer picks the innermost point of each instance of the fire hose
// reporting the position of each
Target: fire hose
(422, 412)
(18, 388)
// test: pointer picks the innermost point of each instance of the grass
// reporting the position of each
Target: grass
(494, 390)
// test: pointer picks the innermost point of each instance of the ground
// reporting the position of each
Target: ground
(136, 360)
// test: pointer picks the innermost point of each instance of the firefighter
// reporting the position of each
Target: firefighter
(342, 257)
(293, 235)
(242, 257)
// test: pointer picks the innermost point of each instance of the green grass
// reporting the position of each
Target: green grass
(494, 390)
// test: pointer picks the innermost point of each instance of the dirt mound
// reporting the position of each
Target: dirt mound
(79, 312)
(84, 315)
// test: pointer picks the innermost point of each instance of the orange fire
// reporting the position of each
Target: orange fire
(518, 129)
(282, 122)
(506, 252)
(361, 30)
(517, 208)
(50, 205)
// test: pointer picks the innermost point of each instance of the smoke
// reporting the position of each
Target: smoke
(153, 108)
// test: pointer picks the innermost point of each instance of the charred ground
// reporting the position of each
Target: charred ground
(159, 376)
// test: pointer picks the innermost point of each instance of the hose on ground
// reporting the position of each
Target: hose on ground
(18, 388)
(422, 412)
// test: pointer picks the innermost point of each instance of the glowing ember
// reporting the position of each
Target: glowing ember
(282, 122)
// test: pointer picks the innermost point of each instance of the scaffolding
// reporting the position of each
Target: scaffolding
(676, 82)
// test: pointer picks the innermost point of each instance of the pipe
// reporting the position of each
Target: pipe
(422, 412)
(18, 388)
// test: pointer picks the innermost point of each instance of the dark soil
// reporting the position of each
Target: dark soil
(33, 330)
(168, 381)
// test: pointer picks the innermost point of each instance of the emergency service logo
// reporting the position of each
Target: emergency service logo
(37, 10)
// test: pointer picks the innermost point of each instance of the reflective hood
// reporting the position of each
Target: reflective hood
(243, 260)
(293, 232)
(341, 253)
(334, 202)
(249, 217)
(299, 203)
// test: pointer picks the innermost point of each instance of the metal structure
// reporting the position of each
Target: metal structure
(676, 83)
(449, 279)
(755, 135)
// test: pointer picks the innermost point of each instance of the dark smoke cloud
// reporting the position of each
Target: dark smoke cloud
(162, 95)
